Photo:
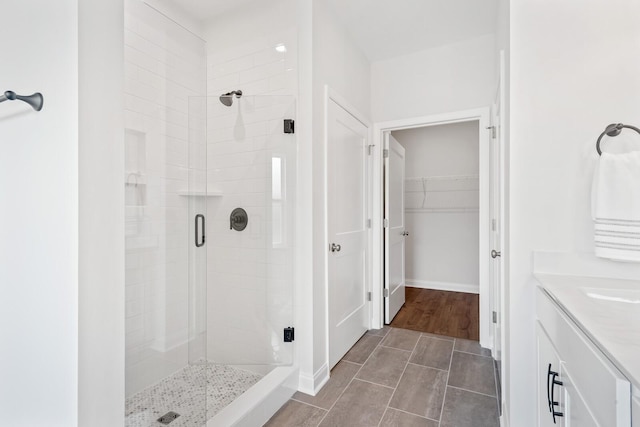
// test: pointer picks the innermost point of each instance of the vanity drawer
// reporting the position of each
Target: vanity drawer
(604, 390)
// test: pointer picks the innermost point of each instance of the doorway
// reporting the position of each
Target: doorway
(442, 218)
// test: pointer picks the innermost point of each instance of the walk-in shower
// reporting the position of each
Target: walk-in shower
(207, 319)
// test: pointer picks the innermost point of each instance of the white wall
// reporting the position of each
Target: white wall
(454, 77)
(442, 246)
(101, 225)
(164, 65)
(39, 216)
(338, 63)
(573, 72)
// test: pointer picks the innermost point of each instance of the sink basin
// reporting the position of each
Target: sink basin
(625, 296)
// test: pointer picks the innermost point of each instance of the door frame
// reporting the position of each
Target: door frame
(483, 116)
(331, 95)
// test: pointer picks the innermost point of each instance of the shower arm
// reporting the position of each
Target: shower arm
(35, 101)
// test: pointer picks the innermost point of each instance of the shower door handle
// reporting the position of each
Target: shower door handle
(200, 220)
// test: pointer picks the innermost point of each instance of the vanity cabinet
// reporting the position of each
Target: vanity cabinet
(576, 381)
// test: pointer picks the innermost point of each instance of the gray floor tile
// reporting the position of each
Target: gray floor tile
(472, 372)
(432, 352)
(442, 337)
(401, 338)
(395, 418)
(469, 346)
(296, 414)
(362, 349)
(385, 366)
(380, 332)
(362, 404)
(420, 391)
(341, 375)
(466, 409)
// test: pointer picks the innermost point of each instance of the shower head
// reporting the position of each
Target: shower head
(227, 98)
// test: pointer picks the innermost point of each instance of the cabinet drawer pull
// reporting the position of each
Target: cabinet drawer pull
(554, 383)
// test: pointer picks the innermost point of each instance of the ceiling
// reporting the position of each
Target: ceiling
(204, 10)
(386, 28)
(389, 28)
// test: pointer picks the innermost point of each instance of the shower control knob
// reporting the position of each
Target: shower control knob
(495, 254)
(335, 248)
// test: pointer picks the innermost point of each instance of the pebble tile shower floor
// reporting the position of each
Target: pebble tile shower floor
(184, 392)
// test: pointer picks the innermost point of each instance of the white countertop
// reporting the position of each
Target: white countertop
(607, 310)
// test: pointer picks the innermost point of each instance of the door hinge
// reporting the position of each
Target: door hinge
(493, 131)
(369, 296)
(370, 149)
(385, 153)
(369, 223)
(385, 293)
(289, 334)
(495, 317)
(289, 126)
(385, 223)
(493, 224)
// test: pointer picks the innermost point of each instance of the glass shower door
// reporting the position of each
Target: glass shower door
(251, 165)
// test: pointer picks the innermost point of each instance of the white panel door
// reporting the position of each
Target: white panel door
(395, 232)
(347, 230)
(496, 211)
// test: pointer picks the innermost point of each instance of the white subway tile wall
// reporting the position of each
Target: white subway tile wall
(164, 66)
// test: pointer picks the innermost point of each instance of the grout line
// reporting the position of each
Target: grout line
(349, 384)
(475, 354)
(471, 391)
(444, 397)
(400, 378)
(371, 382)
(308, 404)
(425, 366)
(441, 337)
(411, 413)
(396, 348)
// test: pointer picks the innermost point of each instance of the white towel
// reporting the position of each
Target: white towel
(615, 206)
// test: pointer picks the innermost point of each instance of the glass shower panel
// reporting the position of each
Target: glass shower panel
(251, 165)
(164, 65)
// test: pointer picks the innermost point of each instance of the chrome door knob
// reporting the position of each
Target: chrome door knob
(405, 233)
(495, 254)
(335, 248)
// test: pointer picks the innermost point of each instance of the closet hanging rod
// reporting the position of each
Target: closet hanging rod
(613, 129)
(36, 100)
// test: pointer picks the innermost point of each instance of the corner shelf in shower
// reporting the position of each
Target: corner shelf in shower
(200, 193)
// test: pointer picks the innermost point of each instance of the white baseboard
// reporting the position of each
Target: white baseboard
(443, 286)
(311, 385)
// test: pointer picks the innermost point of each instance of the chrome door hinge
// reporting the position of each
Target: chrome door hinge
(385, 293)
(369, 223)
(385, 223)
(385, 153)
(370, 149)
(495, 317)
(493, 224)
(369, 296)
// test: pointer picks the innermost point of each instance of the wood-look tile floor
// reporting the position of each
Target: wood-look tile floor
(402, 378)
(453, 314)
